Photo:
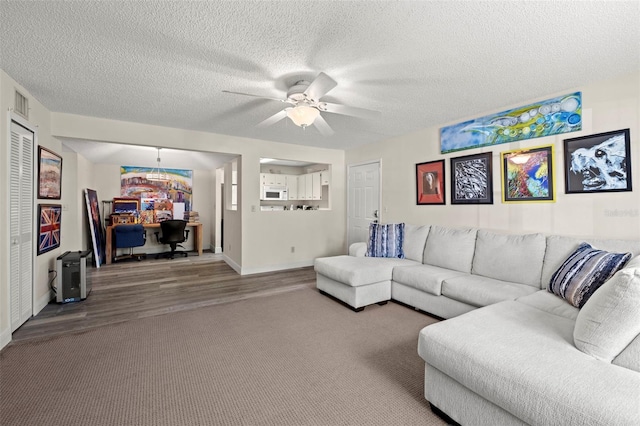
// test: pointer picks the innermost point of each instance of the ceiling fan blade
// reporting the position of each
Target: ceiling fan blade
(347, 110)
(255, 96)
(322, 126)
(273, 119)
(320, 86)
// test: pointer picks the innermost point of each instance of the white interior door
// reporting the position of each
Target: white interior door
(364, 200)
(21, 224)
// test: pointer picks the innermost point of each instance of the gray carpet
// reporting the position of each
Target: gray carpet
(296, 358)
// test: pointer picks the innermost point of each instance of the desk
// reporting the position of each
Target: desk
(197, 235)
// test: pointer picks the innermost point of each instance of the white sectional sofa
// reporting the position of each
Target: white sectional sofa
(509, 352)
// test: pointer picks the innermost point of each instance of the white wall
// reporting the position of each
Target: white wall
(264, 242)
(607, 106)
(85, 179)
(71, 217)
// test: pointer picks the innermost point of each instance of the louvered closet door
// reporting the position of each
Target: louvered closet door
(21, 224)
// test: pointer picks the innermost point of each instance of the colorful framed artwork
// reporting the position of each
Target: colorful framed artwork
(472, 179)
(430, 182)
(527, 175)
(135, 183)
(49, 174)
(598, 163)
(48, 227)
(554, 116)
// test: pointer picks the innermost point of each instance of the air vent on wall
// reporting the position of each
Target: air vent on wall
(21, 105)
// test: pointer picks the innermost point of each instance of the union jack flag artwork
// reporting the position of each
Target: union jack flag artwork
(49, 236)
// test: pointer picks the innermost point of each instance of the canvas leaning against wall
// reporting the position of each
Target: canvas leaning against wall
(554, 116)
(177, 188)
(95, 225)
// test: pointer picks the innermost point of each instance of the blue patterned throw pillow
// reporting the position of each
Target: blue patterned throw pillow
(584, 271)
(386, 240)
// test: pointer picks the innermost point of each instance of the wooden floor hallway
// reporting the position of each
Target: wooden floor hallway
(131, 289)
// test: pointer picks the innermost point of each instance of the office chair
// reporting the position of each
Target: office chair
(173, 233)
(130, 236)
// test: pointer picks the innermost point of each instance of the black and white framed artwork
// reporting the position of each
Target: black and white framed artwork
(471, 179)
(598, 163)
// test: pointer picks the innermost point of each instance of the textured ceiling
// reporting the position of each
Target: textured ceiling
(419, 63)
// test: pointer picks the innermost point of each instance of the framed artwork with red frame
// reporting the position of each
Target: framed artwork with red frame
(430, 183)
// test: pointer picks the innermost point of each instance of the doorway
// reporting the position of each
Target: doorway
(363, 203)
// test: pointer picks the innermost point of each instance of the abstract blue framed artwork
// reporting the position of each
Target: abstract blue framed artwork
(551, 117)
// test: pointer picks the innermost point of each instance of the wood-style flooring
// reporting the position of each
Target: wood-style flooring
(132, 289)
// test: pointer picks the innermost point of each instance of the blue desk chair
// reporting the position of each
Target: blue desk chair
(130, 236)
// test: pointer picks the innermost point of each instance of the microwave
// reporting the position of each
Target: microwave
(274, 192)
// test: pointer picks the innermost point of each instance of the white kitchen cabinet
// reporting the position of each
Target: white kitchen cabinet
(302, 187)
(308, 184)
(272, 179)
(265, 178)
(316, 187)
(292, 187)
(325, 177)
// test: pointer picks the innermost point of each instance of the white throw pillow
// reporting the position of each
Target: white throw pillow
(610, 319)
(633, 263)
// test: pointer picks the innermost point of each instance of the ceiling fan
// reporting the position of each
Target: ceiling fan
(306, 106)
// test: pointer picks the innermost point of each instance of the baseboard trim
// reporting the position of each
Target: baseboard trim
(43, 301)
(262, 269)
(217, 250)
(280, 267)
(5, 338)
(232, 264)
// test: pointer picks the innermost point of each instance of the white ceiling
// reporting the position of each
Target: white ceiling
(419, 63)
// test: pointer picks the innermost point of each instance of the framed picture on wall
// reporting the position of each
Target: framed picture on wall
(48, 227)
(472, 179)
(49, 174)
(527, 175)
(598, 163)
(430, 182)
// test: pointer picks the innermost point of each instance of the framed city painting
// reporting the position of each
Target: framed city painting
(430, 182)
(472, 179)
(49, 174)
(598, 163)
(48, 227)
(527, 175)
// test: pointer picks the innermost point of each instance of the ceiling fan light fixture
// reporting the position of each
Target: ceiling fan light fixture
(303, 115)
